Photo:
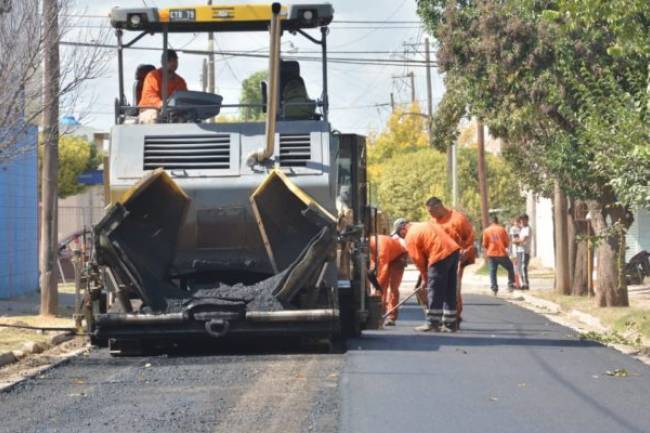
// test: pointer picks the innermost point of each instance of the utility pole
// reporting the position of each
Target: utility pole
(392, 102)
(49, 209)
(210, 59)
(482, 174)
(429, 90)
(204, 75)
(562, 280)
(454, 175)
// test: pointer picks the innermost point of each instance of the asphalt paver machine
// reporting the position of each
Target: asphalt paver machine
(224, 230)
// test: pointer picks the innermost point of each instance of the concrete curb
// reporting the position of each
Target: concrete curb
(542, 303)
(33, 347)
(10, 384)
(591, 323)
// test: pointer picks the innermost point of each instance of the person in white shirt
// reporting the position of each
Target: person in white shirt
(523, 249)
(513, 232)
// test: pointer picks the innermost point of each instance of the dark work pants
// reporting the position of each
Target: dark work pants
(493, 264)
(441, 291)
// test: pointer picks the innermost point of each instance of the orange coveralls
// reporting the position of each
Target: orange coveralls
(457, 225)
(495, 241)
(391, 255)
(428, 245)
(152, 88)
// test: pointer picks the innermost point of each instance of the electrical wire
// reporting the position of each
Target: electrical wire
(342, 60)
(364, 36)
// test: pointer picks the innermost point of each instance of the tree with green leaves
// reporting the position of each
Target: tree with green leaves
(76, 155)
(565, 85)
(251, 94)
(405, 170)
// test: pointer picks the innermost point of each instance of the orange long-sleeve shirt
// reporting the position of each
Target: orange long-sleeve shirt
(495, 241)
(427, 243)
(457, 225)
(152, 88)
(390, 249)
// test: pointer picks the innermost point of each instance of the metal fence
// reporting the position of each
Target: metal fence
(75, 218)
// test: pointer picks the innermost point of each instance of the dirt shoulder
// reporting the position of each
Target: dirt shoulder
(23, 332)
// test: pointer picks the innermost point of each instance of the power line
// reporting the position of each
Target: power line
(335, 21)
(335, 28)
(374, 22)
(344, 60)
(374, 30)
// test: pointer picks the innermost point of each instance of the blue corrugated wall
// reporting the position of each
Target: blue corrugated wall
(19, 221)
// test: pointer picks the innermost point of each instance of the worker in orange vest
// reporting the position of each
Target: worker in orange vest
(495, 242)
(390, 256)
(457, 225)
(151, 99)
(435, 254)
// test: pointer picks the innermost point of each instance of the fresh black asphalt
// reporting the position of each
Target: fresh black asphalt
(508, 370)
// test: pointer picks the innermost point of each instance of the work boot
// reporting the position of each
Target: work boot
(495, 291)
(511, 288)
(448, 328)
(389, 322)
(427, 327)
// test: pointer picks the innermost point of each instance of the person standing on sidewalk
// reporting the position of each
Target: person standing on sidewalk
(391, 258)
(523, 249)
(513, 231)
(435, 254)
(495, 242)
(457, 225)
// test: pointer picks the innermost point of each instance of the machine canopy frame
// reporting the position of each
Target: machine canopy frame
(220, 18)
(216, 18)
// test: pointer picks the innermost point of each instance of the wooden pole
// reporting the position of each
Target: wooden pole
(562, 280)
(211, 86)
(482, 174)
(429, 89)
(49, 210)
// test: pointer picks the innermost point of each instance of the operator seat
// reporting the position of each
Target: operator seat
(140, 74)
(294, 100)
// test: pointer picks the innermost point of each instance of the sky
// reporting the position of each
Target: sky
(354, 90)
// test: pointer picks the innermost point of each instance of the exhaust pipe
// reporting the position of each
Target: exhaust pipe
(274, 82)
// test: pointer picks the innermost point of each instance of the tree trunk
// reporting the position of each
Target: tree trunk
(562, 282)
(482, 175)
(610, 223)
(580, 271)
(571, 239)
(48, 224)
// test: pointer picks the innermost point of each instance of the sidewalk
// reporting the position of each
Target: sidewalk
(625, 326)
(618, 326)
(16, 343)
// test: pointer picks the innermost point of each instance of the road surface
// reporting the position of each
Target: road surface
(509, 370)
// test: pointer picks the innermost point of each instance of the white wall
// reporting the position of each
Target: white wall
(540, 211)
(638, 236)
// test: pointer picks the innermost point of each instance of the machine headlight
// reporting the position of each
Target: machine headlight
(135, 20)
(307, 15)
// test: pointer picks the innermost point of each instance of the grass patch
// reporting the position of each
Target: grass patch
(35, 320)
(13, 339)
(66, 288)
(623, 321)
